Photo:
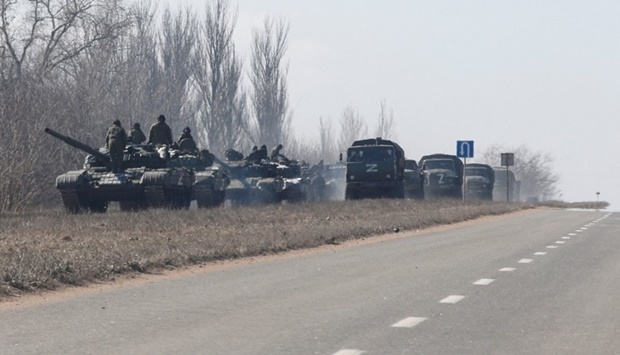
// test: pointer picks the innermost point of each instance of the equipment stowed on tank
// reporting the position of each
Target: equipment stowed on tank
(146, 180)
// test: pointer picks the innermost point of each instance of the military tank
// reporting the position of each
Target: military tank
(252, 183)
(210, 182)
(145, 182)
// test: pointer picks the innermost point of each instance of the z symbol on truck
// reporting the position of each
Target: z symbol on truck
(371, 168)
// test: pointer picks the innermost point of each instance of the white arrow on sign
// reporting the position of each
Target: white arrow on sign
(465, 149)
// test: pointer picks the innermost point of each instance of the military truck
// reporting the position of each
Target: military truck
(443, 176)
(479, 181)
(414, 180)
(375, 168)
(505, 179)
(145, 181)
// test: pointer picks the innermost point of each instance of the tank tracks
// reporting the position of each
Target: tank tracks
(159, 197)
(71, 201)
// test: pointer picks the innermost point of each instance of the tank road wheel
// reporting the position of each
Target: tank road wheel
(204, 196)
(98, 206)
(155, 196)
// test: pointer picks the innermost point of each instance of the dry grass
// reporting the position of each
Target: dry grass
(47, 249)
(591, 205)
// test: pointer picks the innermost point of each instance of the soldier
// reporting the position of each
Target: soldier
(116, 140)
(136, 135)
(275, 153)
(262, 152)
(160, 132)
(186, 141)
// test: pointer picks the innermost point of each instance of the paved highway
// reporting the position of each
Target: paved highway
(541, 282)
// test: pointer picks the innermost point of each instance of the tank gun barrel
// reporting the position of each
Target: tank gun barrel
(79, 145)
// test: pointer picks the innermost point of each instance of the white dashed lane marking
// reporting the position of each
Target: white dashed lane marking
(525, 261)
(565, 237)
(552, 246)
(507, 269)
(409, 322)
(452, 299)
(560, 242)
(349, 352)
(540, 253)
(572, 234)
(483, 282)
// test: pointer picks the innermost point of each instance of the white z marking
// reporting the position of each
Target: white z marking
(371, 168)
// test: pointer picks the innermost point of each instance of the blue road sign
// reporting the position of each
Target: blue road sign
(465, 149)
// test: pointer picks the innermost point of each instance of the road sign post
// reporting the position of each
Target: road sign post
(508, 160)
(464, 149)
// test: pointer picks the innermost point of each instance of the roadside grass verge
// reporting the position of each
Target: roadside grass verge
(47, 249)
(590, 205)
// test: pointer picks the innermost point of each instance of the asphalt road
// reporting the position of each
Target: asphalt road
(545, 282)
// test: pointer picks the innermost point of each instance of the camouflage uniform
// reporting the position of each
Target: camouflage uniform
(116, 140)
(136, 134)
(188, 142)
(160, 132)
(275, 152)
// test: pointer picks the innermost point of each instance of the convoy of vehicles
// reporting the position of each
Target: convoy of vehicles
(373, 168)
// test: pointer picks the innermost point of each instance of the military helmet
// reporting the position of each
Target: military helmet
(161, 118)
(136, 125)
(186, 130)
(116, 122)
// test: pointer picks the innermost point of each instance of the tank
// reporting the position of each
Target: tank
(210, 182)
(146, 180)
(252, 183)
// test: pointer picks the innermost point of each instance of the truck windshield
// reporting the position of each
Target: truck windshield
(370, 154)
(477, 172)
(439, 164)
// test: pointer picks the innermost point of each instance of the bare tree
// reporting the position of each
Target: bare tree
(533, 168)
(178, 37)
(46, 34)
(385, 123)
(327, 141)
(269, 91)
(352, 127)
(220, 101)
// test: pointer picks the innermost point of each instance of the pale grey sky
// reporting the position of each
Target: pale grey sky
(540, 73)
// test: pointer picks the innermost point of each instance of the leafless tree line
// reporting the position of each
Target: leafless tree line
(77, 65)
(533, 168)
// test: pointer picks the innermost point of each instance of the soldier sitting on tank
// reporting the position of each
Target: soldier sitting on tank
(115, 141)
(186, 141)
(233, 155)
(275, 152)
(160, 132)
(207, 157)
(262, 152)
(257, 155)
(136, 136)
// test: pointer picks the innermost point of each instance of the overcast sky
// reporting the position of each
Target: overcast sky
(540, 73)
